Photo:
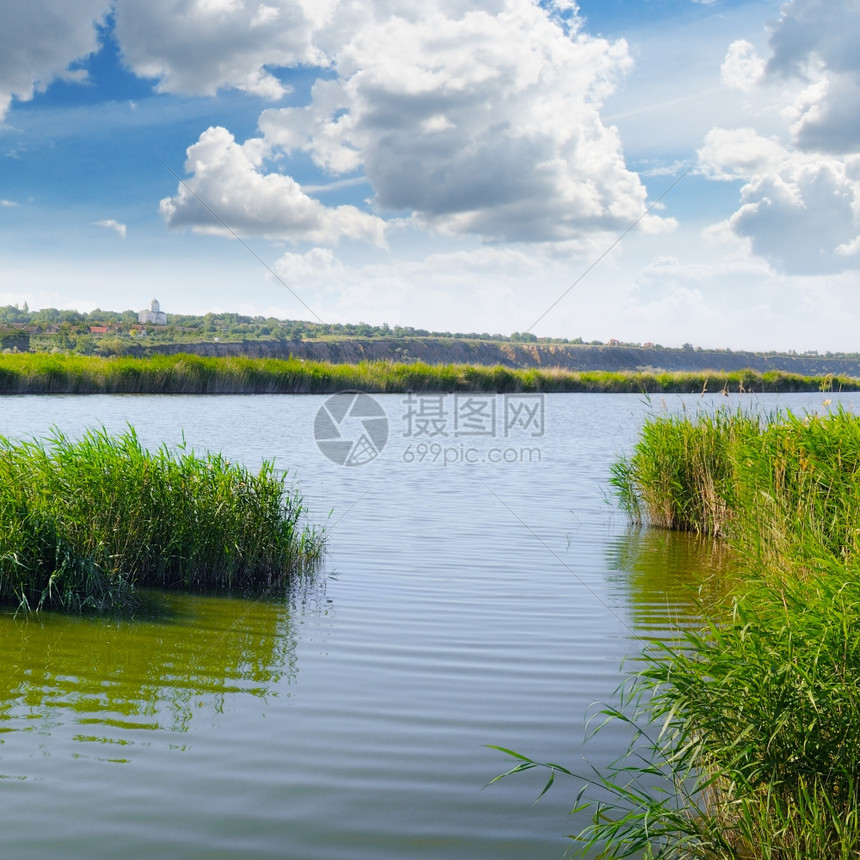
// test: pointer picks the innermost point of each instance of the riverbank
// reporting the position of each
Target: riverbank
(582, 357)
(749, 728)
(193, 374)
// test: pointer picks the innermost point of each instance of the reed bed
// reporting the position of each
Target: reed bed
(682, 472)
(40, 373)
(84, 523)
(785, 489)
(747, 731)
(747, 735)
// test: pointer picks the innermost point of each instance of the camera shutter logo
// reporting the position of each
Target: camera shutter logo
(351, 428)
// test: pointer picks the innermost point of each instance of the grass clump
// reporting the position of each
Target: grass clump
(751, 738)
(784, 489)
(83, 523)
(746, 729)
(682, 472)
(747, 735)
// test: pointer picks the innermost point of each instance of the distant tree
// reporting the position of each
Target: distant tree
(85, 345)
(112, 346)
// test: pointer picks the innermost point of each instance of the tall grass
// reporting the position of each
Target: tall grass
(40, 373)
(747, 735)
(682, 472)
(746, 731)
(784, 489)
(83, 523)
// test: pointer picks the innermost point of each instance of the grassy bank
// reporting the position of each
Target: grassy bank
(84, 523)
(748, 743)
(188, 374)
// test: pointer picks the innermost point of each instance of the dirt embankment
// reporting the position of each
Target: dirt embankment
(522, 355)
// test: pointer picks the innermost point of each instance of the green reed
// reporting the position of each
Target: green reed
(746, 735)
(746, 731)
(785, 489)
(40, 373)
(682, 472)
(83, 523)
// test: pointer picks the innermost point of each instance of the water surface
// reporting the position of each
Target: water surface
(461, 606)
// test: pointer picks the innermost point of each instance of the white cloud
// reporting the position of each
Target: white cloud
(800, 204)
(802, 218)
(40, 39)
(112, 225)
(480, 288)
(819, 41)
(742, 68)
(730, 154)
(800, 211)
(228, 178)
(317, 267)
(483, 122)
(200, 46)
(8, 203)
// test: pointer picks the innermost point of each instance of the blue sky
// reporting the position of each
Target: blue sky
(447, 165)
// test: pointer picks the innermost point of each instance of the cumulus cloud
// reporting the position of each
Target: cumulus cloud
(799, 211)
(800, 201)
(228, 179)
(819, 41)
(482, 122)
(200, 46)
(8, 203)
(802, 218)
(112, 225)
(39, 41)
(730, 154)
(742, 68)
(466, 121)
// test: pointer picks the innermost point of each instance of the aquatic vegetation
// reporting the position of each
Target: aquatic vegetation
(746, 735)
(745, 730)
(40, 373)
(83, 523)
(784, 489)
(681, 473)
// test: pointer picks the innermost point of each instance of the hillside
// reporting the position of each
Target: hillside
(517, 355)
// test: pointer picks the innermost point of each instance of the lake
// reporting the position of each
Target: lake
(480, 588)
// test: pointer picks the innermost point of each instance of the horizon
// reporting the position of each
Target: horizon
(676, 171)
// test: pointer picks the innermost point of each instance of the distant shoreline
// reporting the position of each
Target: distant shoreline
(183, 373)
(455, 350)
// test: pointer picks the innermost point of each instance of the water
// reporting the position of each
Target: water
(461, 605)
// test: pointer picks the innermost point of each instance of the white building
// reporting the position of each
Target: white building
(154, 315)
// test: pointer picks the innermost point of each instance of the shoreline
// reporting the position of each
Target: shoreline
(183, 373)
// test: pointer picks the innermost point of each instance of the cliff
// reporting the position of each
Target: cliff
(520, 355)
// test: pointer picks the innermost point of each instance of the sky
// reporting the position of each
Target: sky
(667, 171)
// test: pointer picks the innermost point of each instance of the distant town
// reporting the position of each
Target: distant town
(102, 332)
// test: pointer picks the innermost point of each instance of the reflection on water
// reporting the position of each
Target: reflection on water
(114, 682)
(475, 605)
(669, 577)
